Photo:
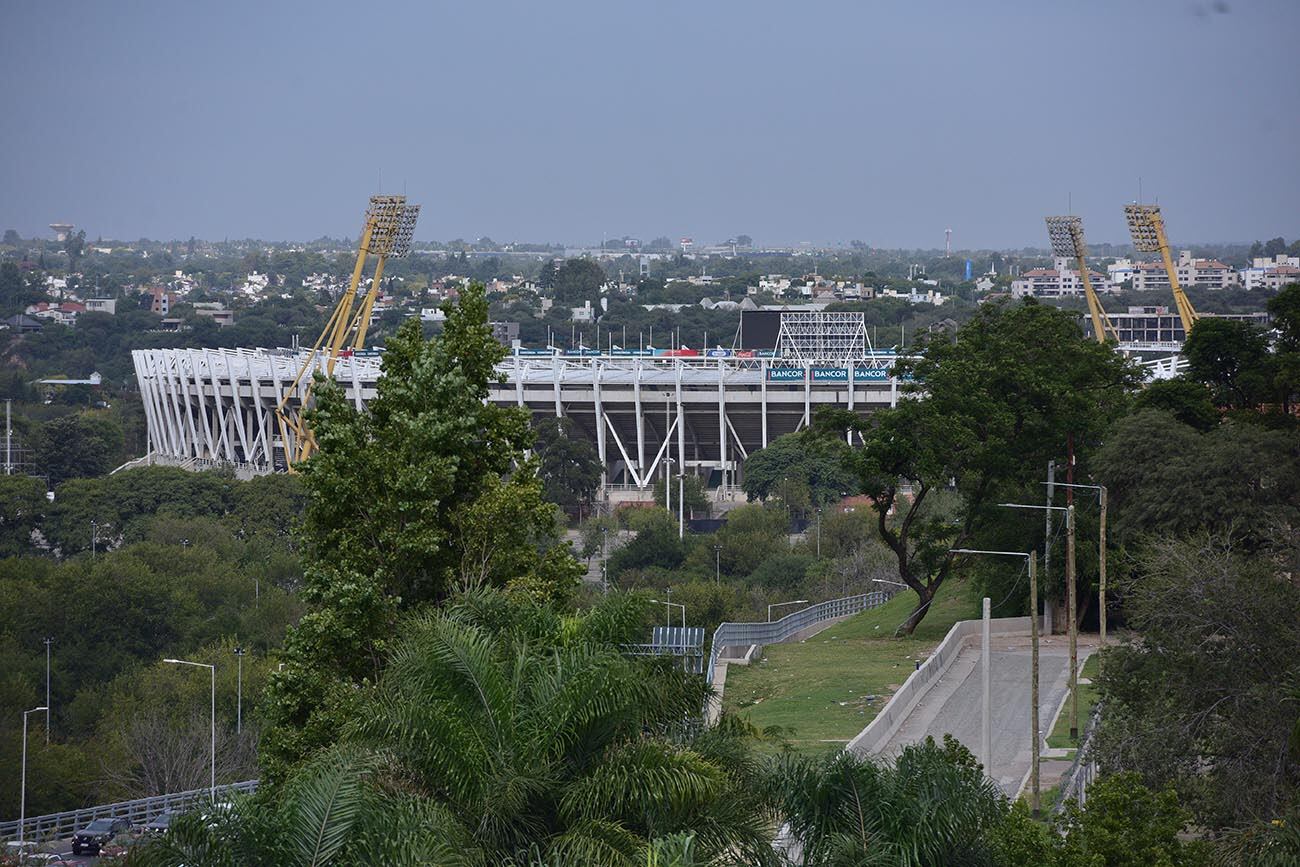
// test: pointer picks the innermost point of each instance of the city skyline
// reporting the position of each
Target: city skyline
(843, 122)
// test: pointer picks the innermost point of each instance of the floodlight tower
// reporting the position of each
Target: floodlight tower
(389, 227)
(1147, 227)
(1066, 236)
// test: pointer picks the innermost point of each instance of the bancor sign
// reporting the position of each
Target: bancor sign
(831, 375)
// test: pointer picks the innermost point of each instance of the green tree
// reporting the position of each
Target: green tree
(504, 734)
(1126, 824)
(22, 507)
(82, 444)
(932, 806)
(1184, 399)
(578, 281)
(1205, 700)
(691, 488)
(995, 404)
(75, 246)
(1238, 480)
(424, 492)
(814, 457)
(568, 465)
(1232, 358)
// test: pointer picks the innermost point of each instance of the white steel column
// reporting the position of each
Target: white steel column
(601, 421)
(893, 392)
(519, 381)
(807, 394)
(722, 425)
(681, 425)
(762, 381)
(640, 418)
(557, 373)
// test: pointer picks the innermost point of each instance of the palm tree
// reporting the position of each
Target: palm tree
(931, 807)
(503, 733)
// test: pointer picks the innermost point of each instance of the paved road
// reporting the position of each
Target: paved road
(952, 705)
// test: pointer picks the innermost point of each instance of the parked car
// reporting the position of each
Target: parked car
(158, 825)
(91, 838)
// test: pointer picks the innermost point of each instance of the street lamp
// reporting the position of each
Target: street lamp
(1072, 627)
(717, 564)
(212, 780)
(779, 604)
(22, 798)
(239, 691)
(671, 606)
(1035, 746)
(1101, 554)
(94, 537)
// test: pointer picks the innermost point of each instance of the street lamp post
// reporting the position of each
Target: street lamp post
(671, 606)
(1035, 745)
(239, 691)
(212, 779)
(48, 641)
(604, 557)
(22, 797)
(779, 604)
(1072, 626)
(94, 537)
(1101, 555)
(819, 533)
(717, 564)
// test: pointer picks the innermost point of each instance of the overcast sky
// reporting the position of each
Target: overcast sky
(569, 121)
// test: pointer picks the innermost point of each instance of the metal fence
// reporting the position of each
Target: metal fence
(776, 631)
(1083, 772)
(685, 643)
(56, 825)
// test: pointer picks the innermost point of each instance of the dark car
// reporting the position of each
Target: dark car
(91, 838)
(158, 825)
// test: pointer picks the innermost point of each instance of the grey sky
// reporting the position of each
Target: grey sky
(566, 121)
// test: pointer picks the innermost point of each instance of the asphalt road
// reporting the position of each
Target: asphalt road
(952, 705)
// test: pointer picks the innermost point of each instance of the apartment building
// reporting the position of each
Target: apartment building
(1274, 273)
(1059, 281)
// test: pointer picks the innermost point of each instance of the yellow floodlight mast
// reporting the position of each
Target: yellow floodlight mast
(389, 226)
(1147, 227)
(1066, 236)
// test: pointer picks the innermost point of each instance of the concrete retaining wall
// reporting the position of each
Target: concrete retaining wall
(891, 716)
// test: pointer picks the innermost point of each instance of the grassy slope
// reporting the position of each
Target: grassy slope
(1060, 736)
(820, 688)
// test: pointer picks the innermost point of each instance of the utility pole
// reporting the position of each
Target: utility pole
(819, 533)
(717, 564)
(604, 557)
(9, 436)
(1033, 688)
(1047, 543)
(239, 692)
(986, 733)
(48, 642)
(1101, 567)
(1072, 601)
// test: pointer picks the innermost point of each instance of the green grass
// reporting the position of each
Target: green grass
(827, 689)
(1060, 736)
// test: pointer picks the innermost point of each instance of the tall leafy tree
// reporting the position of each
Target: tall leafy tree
(568, 465)
(424, 492)
(1204, 698)
(1232, 358)
(83, 444)
(985, 414)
